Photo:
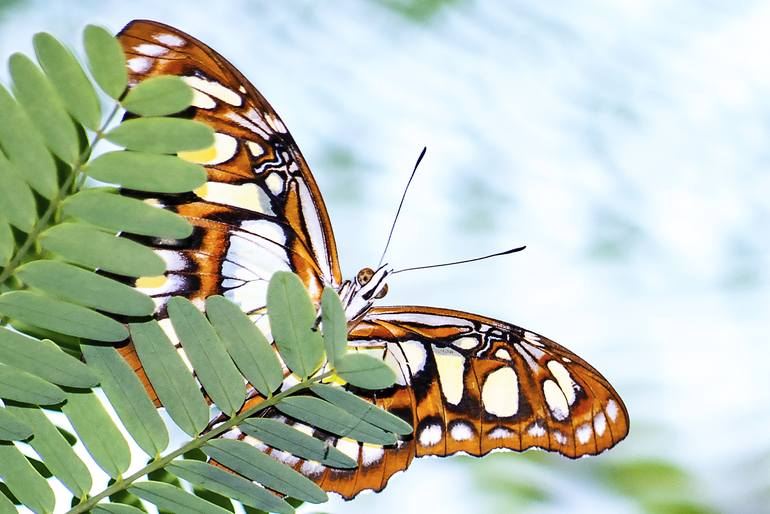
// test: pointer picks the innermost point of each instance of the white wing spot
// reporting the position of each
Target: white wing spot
(312, 468)
(466, 343)
(276, 124)
(247, 196)
(349, 447)
(564, 380)
(500, 433)
(555, 399)
(153, 50)
(500, 393)
(532, 338)
(502, 353)
(560, 438)
(600, 424)
(202, 100)
(583, 433)
(256, 443)
(430, 435)
(255, 148)
(371, 454)
(536, 430)
(274, 182)
(451, 370)
(169, 39)
(461, 431)
(139, 64)
(612, 410)
(215, 89)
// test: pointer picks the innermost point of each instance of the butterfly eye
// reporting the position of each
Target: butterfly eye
(364, 276)
(382, 292)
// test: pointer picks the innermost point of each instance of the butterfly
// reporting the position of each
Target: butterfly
(466, 383)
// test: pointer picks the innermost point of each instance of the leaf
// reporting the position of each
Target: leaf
(364, 371)
(248, 347)
(7, 242)
(106, 60)
(24, 481)
(115, 508)
(162, 135)
(253, 464)
(16, 200)
(85, 288)
(12, 428)
(23, 387)
(335, 325)
(59, 316)
(362, 409)
(98, 433)
(229, 484)
(175, 386)
(158, 96)
(25, 148)
(93, 248)
(280, 435)
(129, 398)
(172, 498)
(6, 506)
(44, 361)
(45, 109)
(54, 449)
(71, 81)
(292, 317)
(147, 172)
(123, 214)
(214, 368)
(326, 416)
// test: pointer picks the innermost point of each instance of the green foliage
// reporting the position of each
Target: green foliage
(63, 271)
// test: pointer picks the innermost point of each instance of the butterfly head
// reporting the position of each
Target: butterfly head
(359, 295)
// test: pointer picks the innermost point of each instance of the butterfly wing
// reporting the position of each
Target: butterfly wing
(259, 212)
(472, 384)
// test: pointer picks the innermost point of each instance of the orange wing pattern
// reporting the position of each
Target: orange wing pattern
(471, 384)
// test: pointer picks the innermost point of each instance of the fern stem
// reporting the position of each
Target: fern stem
(196, 443)
(43, 223)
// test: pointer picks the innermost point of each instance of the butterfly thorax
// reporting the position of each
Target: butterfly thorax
(359, 295)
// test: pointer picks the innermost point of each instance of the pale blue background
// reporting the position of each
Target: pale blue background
(626, 143)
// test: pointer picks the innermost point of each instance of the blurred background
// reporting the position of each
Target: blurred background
(627, 144)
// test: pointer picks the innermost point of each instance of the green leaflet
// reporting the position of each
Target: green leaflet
(23, 387)
(362, 409)
(54, 449)
(364, 371)
(43, 360)
(230, 485)
(214, 368)
(45, 109)
(16, 200)
(106, 60)
(158, 96)
(129, 398)
(292, 318)
(321, 414)
(162, 135)
(280, 435)
(252, 353)
(168, 497)
(115, 508)
(335, 325)
(93, 248)
(73, 86)
(246, 460)
(175, 386)
(7, 242)
(147, 172)
(12, 428)
(120, 213)
(98, 433)
(24, 481)
(6, 506)
(85, 288)
(59, 316)
(25, 148)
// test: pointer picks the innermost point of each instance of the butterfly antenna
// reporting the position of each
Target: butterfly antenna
(400, 204)
(506, 252)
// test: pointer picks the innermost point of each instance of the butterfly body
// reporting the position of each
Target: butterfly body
(464, 382)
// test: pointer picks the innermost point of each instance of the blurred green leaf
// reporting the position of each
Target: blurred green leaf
(16, 200)
(124, 214)
(59, 316)
(93, 248)
(335, 325)
(44, 361)
(129, 398)
(230, 485)
(24, 146)
(364, 371)
(85, 288)
(12, 428)
(23, 387)
(74, 88)
(362, 409)
(45, 109)
(162, 135)
(321, 414)
(253, 464)
(172, 381)
(246, 344)
(172, 498)
(106, 60)
(7, 242)
(159, 96)
(645, 477)
(98, 433)
(147, 172)
(292, 318)
(6, 506)
(24, 481)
